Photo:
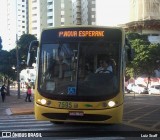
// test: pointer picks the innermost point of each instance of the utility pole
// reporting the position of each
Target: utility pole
(18, 77)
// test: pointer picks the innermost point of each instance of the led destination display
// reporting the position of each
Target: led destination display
(81, 33)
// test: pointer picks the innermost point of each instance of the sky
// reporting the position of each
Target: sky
(112, 12)
(108, 13)
(3, 22)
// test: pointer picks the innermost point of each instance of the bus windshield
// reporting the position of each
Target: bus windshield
(89, 70)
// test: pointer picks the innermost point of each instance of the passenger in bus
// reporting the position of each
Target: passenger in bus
(88, 68)
(105, 67)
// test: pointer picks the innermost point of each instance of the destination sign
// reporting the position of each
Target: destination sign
(81, 33)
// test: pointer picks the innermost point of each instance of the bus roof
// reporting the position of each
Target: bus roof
(83, 26)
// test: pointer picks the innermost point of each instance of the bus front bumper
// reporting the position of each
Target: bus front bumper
(110, 116)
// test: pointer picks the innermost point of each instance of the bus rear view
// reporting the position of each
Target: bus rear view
(80, 75)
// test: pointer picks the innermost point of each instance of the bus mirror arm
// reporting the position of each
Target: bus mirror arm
(28, 58)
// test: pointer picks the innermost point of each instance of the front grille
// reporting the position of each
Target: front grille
(86, 117)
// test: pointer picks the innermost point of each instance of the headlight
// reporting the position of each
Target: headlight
(111, 103)
(43, 101)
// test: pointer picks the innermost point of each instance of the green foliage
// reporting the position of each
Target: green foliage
(146, 55)
(23, 45)
(9, 59)
(134, 36)
(5, 63)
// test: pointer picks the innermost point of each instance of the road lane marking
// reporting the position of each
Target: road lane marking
(143, 115)
(139, 126)
(155, 125)
(135, 109)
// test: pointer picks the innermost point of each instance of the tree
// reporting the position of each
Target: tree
(4, 63)
(5, 68)
(8, 59)
(146, 55)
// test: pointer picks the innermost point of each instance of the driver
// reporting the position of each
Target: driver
(104, 67)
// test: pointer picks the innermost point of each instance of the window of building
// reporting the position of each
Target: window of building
(62, 12)
(93, 23)
(93, 9)
(62, 23)
(93, 2)
(34, 28)
(93, 16)
(34, 15)
(62, 19)
(62, 5)
(50, 17)
(33, 8)
(49, 3)
(50, 24)
(34, 1)
(50, 10)
(34, 21)
(62, 16)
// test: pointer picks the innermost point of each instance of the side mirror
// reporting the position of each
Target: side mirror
(130, 54)
(32, 45)
(129, 50)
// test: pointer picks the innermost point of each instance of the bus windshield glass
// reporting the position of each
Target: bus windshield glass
(86, 70)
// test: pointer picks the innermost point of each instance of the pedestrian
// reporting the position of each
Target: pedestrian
(28, 96)
(3, 94)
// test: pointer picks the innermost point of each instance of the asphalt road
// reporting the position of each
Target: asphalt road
(142, 111)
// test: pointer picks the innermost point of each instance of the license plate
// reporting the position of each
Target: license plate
(76, 113)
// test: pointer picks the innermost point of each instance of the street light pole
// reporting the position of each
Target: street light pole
(18, 77)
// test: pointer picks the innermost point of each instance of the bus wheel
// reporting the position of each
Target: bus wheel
(56, 122)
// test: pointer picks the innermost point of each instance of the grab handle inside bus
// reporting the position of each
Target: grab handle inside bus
(33, 44)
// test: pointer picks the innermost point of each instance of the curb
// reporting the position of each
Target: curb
(19, 111)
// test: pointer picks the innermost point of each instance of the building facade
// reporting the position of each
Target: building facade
(62, 13)
(32, 16)
(84, 12)
(17, 20)
(144, 10)
(145, 19)
(22, 17)
(48, 13)
(37, 16)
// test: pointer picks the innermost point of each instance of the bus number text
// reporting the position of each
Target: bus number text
(65, 104)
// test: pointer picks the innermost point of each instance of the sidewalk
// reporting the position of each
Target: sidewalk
(15, 106)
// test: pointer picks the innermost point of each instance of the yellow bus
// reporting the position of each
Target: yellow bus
(69, 87)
